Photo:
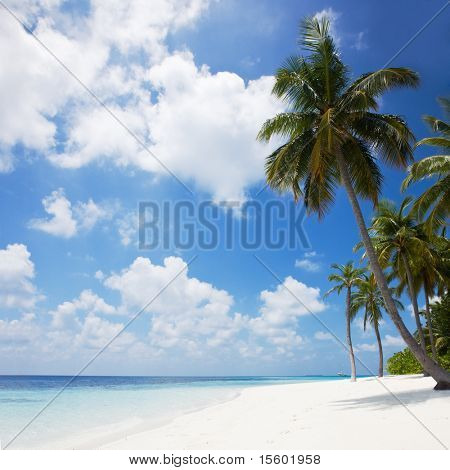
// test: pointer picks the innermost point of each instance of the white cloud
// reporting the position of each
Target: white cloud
(96, 332)
(281, 309)
(89, 213)
(195, 316)
(354, 40)
(323, 336)
(18, 333)
(87, 302)
(369, 347)
(6, 161)
(85, 44)
(359, 323)
(16, 278)
(308, 265)
(127, 227)
(67, 220)
(359, 41)
(333, 16)
(61, 223)
(202, 125)
(189, 314)
(389, 340)
(309, 262)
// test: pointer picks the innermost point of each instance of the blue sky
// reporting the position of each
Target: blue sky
(192, 80)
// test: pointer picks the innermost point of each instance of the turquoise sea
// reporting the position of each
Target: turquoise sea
(101, 409)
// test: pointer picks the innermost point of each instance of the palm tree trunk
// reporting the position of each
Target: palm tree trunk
(430, 326)
(439, 374)
(349, 337)
(413, 298)
(380, 349)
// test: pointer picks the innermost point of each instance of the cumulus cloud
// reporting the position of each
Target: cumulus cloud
(281, 309)
(323, 336)
(213, 121)
(187, 316)
(19, 333)
(87, 302)
(127, 228)
(368, 347)
(309, 262)
(16, 278)
(390, 340)
(201, 125)
(66, 220)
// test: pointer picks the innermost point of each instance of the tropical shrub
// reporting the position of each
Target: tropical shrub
(404, 362)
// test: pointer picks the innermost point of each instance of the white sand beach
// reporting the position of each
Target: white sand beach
(321, 415)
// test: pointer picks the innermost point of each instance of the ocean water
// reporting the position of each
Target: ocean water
(97, 410)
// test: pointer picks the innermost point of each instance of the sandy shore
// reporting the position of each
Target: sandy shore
(321, 415)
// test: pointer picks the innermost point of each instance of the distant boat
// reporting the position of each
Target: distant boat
(341, 374)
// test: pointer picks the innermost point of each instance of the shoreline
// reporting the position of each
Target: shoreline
(100, 436)
(322, 415)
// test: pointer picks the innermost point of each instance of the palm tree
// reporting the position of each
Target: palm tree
(345, 278)
(437, 196)
(398, 245)
(368, 297)
(333, 136)
(434, 277)
(431, 272)
(441, 323)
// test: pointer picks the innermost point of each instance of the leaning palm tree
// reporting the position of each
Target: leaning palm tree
(334, 134)
(368, 297)
(435, 199)
(345, 278)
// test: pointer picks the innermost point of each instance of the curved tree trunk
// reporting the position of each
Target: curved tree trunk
(380, 350)
(349, 337)
(413, 297)
(439, 374)
(430, 326)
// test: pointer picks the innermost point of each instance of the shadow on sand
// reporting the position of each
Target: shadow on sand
(386, 400)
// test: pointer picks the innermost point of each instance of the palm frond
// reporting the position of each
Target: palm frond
(388, 134)
(378, 82)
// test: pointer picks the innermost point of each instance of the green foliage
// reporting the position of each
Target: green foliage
(436, 199)
(404, 362)
(328, 118)
(440, 320)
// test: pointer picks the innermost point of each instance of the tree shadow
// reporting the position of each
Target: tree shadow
(388, 400)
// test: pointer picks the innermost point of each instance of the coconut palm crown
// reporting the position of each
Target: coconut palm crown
(368, 297)
(326, 115)
(435, 200)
